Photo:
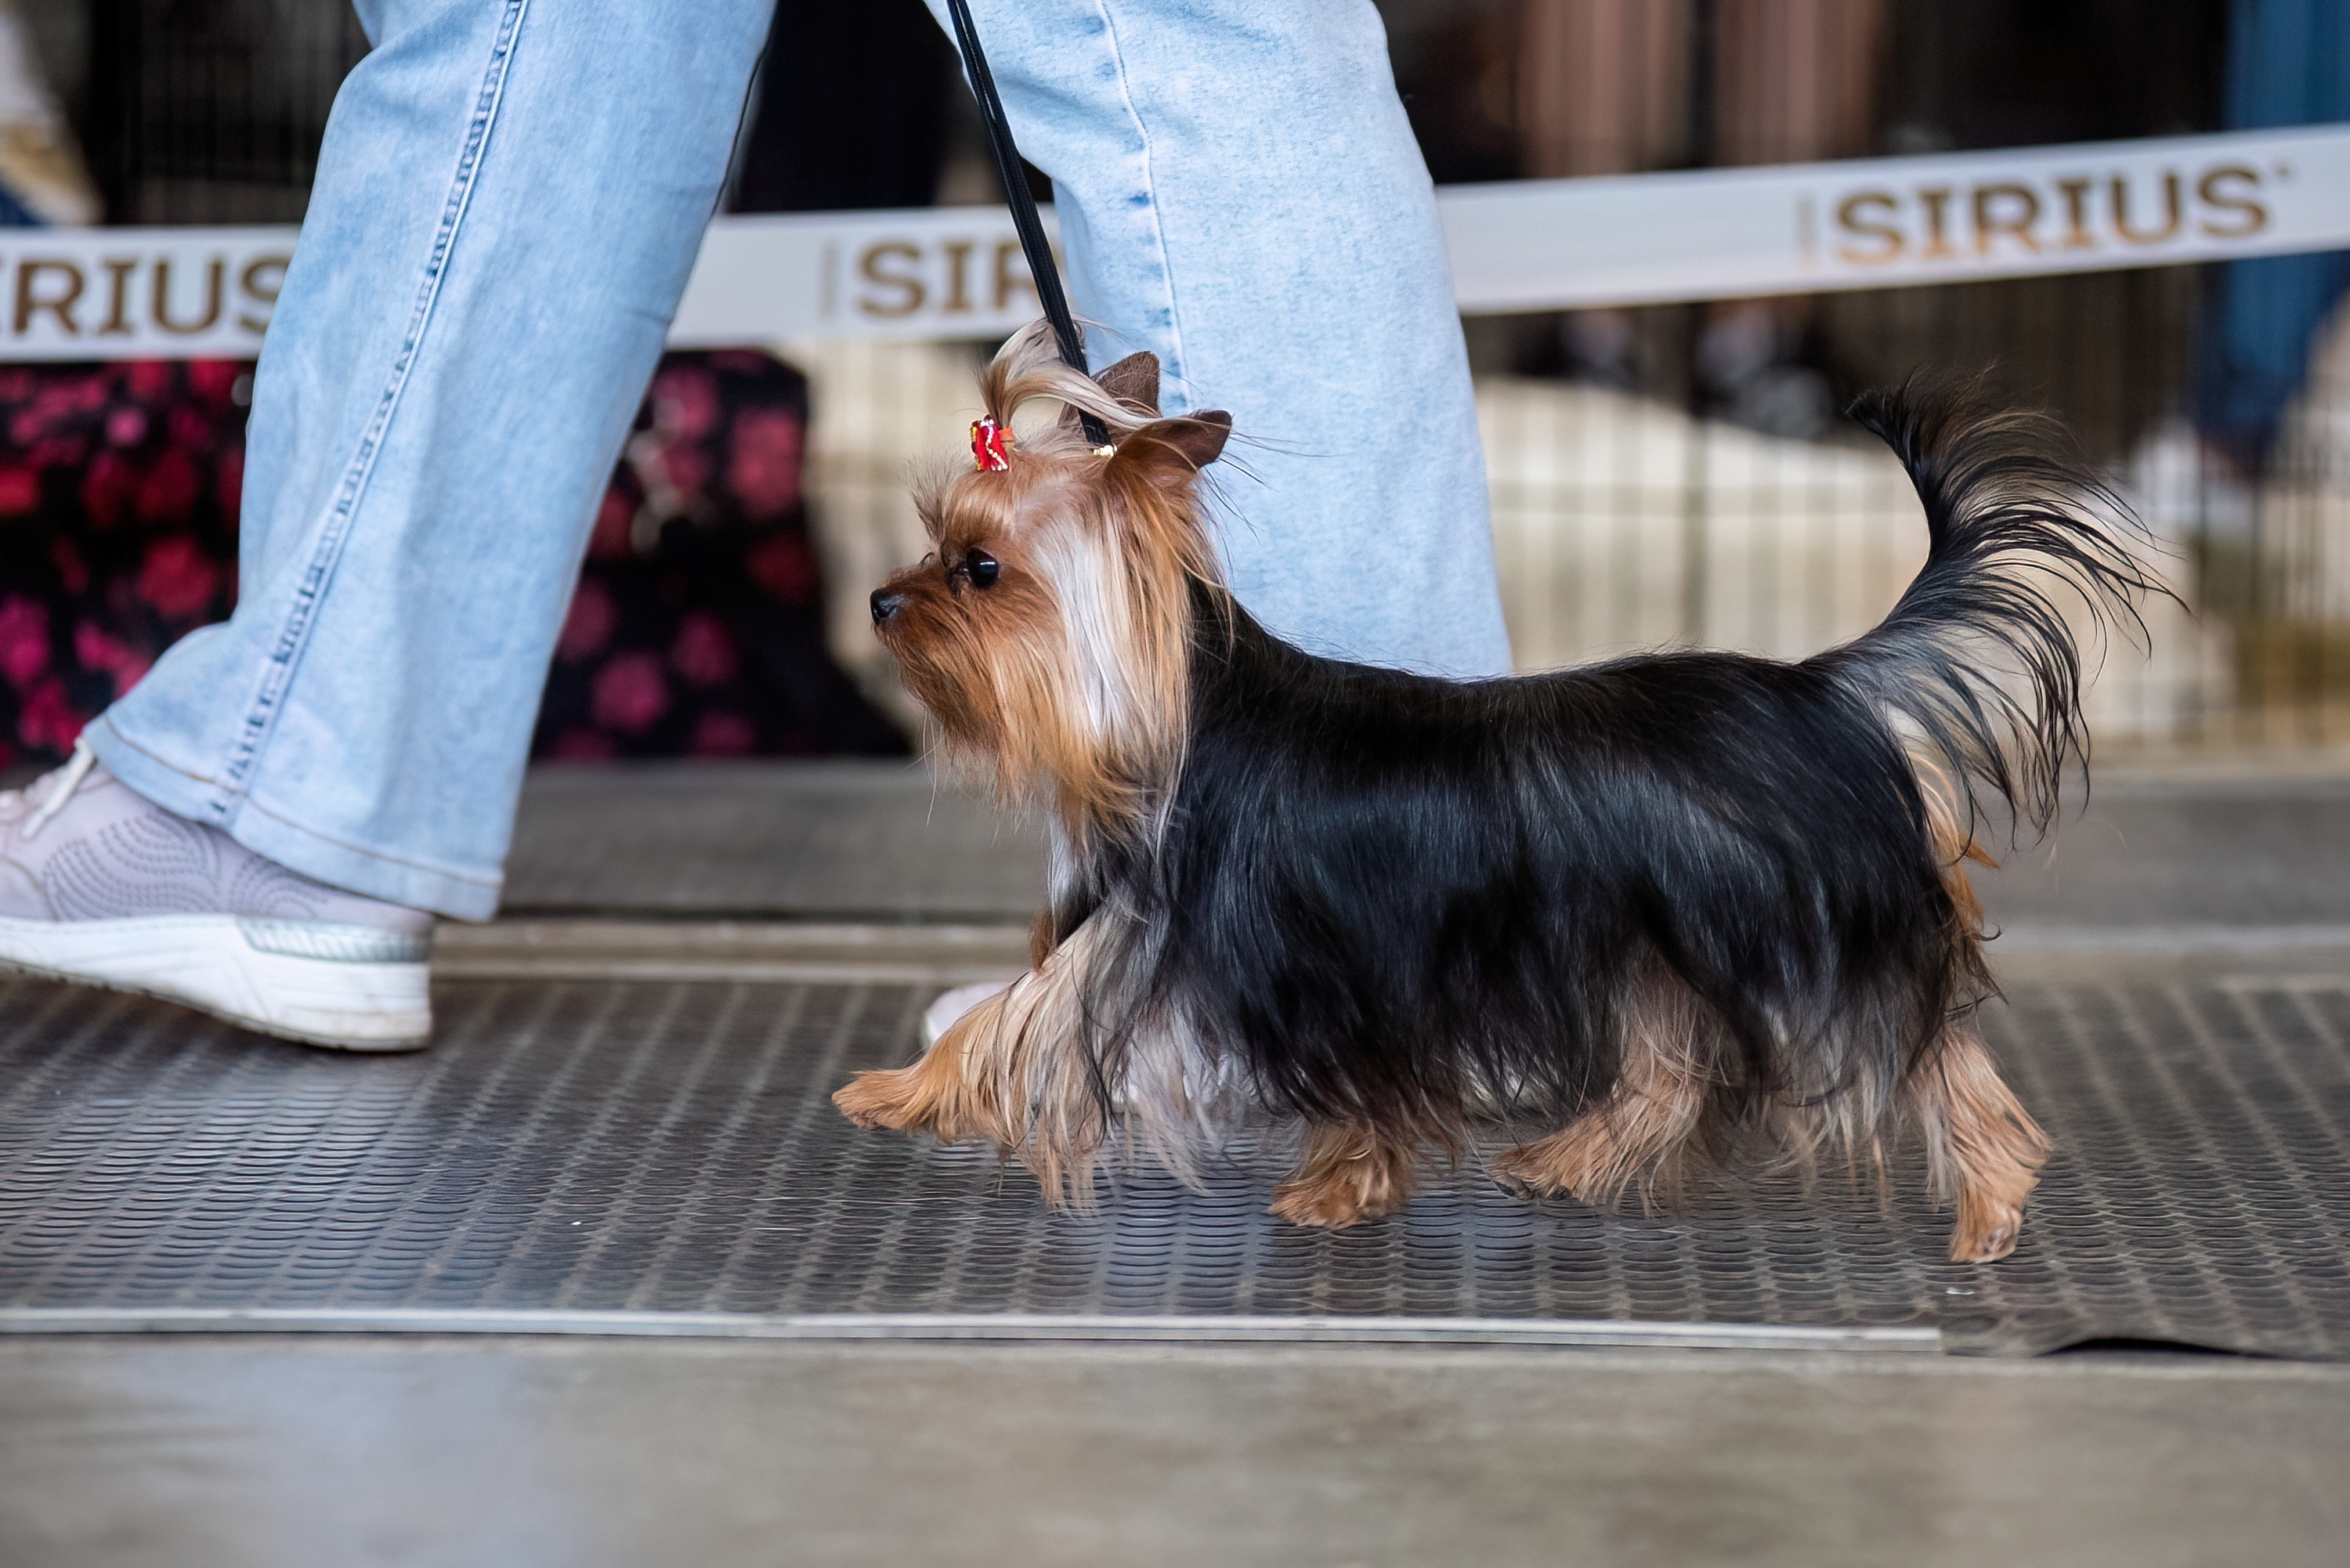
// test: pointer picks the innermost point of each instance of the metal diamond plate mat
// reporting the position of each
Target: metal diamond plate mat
(584, 1146)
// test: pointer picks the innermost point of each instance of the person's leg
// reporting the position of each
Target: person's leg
(1239, 192)
(509, 199)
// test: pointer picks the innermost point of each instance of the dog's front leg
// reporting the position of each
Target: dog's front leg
(941, 1094)
(1013, 1072)
(1347, 1174)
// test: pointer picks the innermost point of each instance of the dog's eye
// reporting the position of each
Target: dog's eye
(982, 567)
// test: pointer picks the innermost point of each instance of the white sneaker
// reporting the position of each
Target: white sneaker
(100, 885)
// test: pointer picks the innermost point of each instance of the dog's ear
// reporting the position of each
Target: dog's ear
(1172, 451)
(1133, 379)
(1199, 437)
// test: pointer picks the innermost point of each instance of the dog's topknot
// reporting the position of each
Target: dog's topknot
(1124, 398)
(1029, 366)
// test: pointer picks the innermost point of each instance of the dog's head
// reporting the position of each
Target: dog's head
(1048, 633)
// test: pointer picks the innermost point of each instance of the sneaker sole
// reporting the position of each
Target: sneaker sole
(364, 1002)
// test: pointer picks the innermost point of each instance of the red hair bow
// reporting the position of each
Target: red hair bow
(991, 446)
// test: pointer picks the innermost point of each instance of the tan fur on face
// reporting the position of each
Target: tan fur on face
(1068, 682)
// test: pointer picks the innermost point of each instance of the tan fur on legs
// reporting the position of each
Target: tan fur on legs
(1013, 1070)
(1346, 1174)
(1654, 1108)
(936, 1095)
(1981, 1146)
(1953, 844)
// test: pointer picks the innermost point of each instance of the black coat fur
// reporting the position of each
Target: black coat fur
(1394, 899)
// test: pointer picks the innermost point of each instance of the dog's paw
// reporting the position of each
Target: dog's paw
(1325, 1205)
(1346, 1179)
(882, 1098)
(1527, 1172)
(1985, 1234)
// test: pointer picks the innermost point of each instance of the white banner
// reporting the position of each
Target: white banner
(139, 294)
(925, 272)
(1883, 223)
(957, 272)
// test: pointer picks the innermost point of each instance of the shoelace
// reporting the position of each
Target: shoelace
(64, 784)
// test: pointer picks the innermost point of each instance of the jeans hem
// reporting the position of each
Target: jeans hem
(269, 833)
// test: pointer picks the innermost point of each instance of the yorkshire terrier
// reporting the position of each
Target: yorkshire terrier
(1667, 912)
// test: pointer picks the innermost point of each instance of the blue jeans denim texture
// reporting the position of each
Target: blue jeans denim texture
(509, 200)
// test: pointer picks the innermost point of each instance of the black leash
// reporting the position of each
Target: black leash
(1024, 207)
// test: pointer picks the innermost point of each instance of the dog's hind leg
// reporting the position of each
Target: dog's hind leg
(1631, 1134)
(1347, 1174)
(1981, 1146)
(1655, 1108)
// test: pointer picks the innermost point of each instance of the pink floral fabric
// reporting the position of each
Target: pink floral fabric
(696, 629)
(119, 489)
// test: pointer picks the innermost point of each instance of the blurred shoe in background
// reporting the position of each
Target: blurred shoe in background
(43, 182)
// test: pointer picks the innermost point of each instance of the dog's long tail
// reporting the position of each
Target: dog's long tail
(1978, 654)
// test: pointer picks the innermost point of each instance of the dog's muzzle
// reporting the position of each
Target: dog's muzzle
(885, 605)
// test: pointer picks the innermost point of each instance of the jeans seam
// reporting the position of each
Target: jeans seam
(1157, 226)
(493, 883)
(277, 668)
(471, 881)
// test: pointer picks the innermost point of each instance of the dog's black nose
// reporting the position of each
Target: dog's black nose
(886, 604)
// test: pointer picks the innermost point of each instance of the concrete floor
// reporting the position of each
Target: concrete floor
(247, 1452)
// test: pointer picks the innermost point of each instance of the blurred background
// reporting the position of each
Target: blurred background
(1666, 473)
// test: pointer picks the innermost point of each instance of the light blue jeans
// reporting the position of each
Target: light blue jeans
(509, 200)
